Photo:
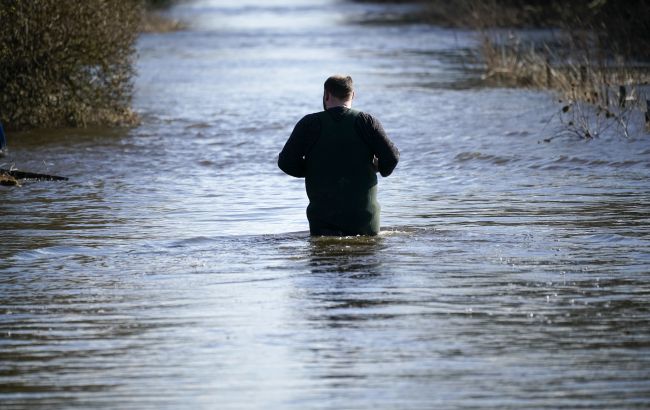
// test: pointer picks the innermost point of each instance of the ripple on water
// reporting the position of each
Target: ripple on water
(179, 272)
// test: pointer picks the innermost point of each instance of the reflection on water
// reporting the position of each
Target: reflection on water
(353, 255)
(175, 270)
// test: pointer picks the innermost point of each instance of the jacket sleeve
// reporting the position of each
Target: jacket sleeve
(382, 147)
(292, 157)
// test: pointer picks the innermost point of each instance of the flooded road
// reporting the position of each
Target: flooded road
(175, 270)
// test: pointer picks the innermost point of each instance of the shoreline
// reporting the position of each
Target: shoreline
(591, 59)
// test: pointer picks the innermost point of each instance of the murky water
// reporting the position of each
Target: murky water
(174, 270)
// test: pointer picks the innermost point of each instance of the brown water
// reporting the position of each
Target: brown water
(174, 269)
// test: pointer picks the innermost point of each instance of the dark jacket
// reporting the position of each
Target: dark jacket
(333, 150)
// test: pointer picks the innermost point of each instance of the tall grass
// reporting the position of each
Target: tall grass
(594, 60)
(597, 58)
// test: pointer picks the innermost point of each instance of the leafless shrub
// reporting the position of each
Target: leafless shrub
(595, 61)
(67, 63)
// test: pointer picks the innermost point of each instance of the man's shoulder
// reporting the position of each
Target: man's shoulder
(367, 118)
(309, 118)
(364, 114)
(310, 123)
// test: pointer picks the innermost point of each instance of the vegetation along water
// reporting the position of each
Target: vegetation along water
(174, 268)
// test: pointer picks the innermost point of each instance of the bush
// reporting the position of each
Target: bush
(67, 63)
(594, 53)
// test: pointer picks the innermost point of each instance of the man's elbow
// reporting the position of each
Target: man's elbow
(386, 172)
(289, 167)
(387, 166)
(284, 165)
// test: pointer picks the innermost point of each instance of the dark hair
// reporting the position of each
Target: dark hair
(340, 86)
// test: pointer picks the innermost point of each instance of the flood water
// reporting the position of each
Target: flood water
(175, 270)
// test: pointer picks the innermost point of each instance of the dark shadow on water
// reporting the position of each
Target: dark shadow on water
(349, 256)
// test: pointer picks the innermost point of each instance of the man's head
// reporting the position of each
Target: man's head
(338, 91)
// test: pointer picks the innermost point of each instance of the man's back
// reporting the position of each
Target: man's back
(340, 179)
(339, 152)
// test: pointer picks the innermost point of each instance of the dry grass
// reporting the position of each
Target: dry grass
(8, 180)
(598, 62)
(595, 94)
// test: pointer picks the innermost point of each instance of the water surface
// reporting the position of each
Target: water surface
(175, 270)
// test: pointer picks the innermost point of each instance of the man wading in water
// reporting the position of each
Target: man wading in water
(339, 151)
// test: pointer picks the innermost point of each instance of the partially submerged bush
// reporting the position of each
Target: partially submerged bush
(596, 60)
(67, 63)
(594, 53)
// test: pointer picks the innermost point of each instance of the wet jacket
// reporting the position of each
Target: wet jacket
(333, 150)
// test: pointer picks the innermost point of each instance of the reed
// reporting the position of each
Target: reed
(595, 92)
(596, 54)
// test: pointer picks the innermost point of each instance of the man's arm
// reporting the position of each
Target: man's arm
(292, 157)
(382, 147)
